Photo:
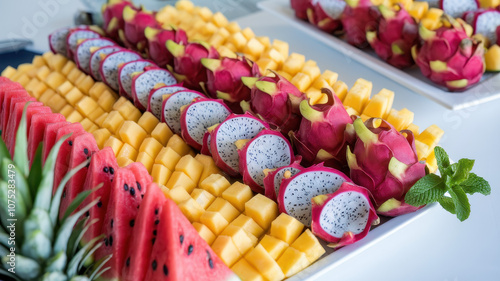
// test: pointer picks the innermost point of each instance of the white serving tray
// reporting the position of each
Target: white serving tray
(488, 89)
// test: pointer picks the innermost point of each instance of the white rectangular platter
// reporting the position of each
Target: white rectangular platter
(488, 89)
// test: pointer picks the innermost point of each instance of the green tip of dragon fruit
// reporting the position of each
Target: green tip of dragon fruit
(352, 3)
(396, 49)
(211, 64)
(249, 81)
(175, 49)
(151, 32)
(389, 205)
(425, 33)
(397, 168)
(310, 113)
(323, 155)
(462, 83)
(224, 96)
(129, 13)
(386, 12)
(245, 105)
(363, 132)
(266, 87)
(438, 66)
(370, 36)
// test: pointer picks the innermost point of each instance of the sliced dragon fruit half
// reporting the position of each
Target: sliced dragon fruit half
(486, 22)
(273, 179)
(198, 116)
(83, 51)
(296, 192)
(457, 8)
(224, 136)
(77, 34)
(108, 67)
(205, 144)
(57, 41)
(155, 100)
(143, 83)
(269, 149)
(171, 108)
(125, 77)
(344, 216)
(98, 53)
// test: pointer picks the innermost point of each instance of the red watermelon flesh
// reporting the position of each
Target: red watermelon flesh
(63, 157)
(124, 202)
(14, 120)
(141, 174)
(7, 97)
(10, 113)
(101, 170)
(83, 147)
(49, 137)
(144, 234)
(37, 129)
(182, 254)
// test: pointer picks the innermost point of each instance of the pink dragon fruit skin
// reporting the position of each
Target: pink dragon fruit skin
(224, 79)
(273, 179)
(275, 100)
(187, 65)
(498, 34)
(358, 17)
(328, 207)
(135, 22)
(324, 132)
(157, 48)
(112, 14)
(449, 57)
(326, 18)
(385, 162)
(396, 34)
(300, 8)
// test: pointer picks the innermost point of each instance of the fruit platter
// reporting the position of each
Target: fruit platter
(400, 70)
(178, 145)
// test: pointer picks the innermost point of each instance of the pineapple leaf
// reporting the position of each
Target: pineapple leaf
(26, 268)
(57, 262)
(78, 258)
(61, 242)
(11, 174)
(4, 238)
(96, 272)
(89, 255)
(54, 276)
(21, 146)
(19, 213)
(76, 239)
(35, 172)
(9, 275)
(4, 152)
(4, 210)
(56, 200)
(78, 200)
(44, 194)
(37, 246)
(39, 219)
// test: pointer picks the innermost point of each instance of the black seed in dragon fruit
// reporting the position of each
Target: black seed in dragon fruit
(96, 58)
(57, 41)
(77, 34)
(457, 8)
(273, 179)
(171, 108)
(155, 100)
(125, 77)
(143, 83)
(109, 66)
(83, 51)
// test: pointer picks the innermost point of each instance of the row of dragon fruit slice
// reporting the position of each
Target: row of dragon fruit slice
(261, 128)
(397, 38)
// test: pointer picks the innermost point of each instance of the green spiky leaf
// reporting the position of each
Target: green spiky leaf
(443, 161)
(57, 262)
(35, 172)
(21, 146)
(79, 200)
(26, 268)
(54, 276)
(37, 246)
(78, 258)
(4, 238)
(73, 241)
(89, 255)
(39, 219)
(99, 268)
(4, 152)
(4, 209)
(12, 175)
(9, 275)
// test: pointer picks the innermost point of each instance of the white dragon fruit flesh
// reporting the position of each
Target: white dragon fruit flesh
(110, 64)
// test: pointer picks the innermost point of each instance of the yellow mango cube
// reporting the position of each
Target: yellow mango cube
(357, 97)
(151, 146)
(191, 167)
(35, 88)
(431, 135)
(161, 133)
(85, 84)
(308, 244)
(274, 246)
(9, 72)
(214, 221)
(312, 71)
(57, 62)
(418, 9)
(246, 271)
(238, 194)
(260, 259)
(70, 65)
(179, 145)
(74, 117)
(275, 56)
(101, 136)
(86, 105)
(180, 179)
(106, 101)
(42, 72)
(178, 195)
(302, 81)
(233, 27)
(266, 64)
(243, 241)
(249, 225)
(191, 209)
(56, 103)
(254, 47)
(380, 104)
(64, 88)
(216, 184)
(414, 129)
(423, 150)
(54, 80)
(98, 89)
(286, 228)
(100, 120)
(131, 133)
(38, 61)
(228, 211)
(262, 209)
(292, 261)
(86, 124)
(168, 158)
(146, 160)
(282, 47)
(160, 174)
(203, 197)
(114, 143)
(400, 119)
(66, 110)
(204, 232)
(73, 96)
(123, 161)
(225, 248)
(238, 40)
(128, 111)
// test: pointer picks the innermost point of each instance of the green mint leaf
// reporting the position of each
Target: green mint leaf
(426, 190)
(461, 171)
(447, 204)
(442, 159)
(462, 205)
(475, 184)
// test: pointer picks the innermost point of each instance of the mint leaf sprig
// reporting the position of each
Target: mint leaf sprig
(456, 179)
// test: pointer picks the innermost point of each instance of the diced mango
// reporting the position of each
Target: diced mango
(179, 145)
(358, 95)
(292, 261)
(179, 194)
(180, 179)
(214, 221)
(56, 103)
(54, 80)
(274, 246)
(128, 111)
(380, 104)
(203, 197)
(131, 133)
(243, 240)
(400, 119)
(308, 244)
(246, 271)
(262, 209)
(160, 174)
(260, 259)
(106, 101)
(146, 160)
(228, 211)
(74, 117)
(302, 81)
(286, 228)
(151, 146)
(418, 9)
(431, 135)
(191, 167)
(101, 136)
(249, 225)
(168, 158)
(225, 248)
(216, 184)
(191, 209)
(204, 232)
(74, 96)
(161, 133)
(123, 161)
(294, 63)
(98, 90)
(113, 121)
(114, 143)
(238, 194)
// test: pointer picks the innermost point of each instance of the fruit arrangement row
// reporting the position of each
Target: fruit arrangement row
(452, 42)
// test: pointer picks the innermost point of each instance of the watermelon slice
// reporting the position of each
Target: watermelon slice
(101, 170)
(10, 87)
(124, 201)
(182, 254)
(37, 129)
(7, 96)
(144, 234)
(13, 124)
(141, 174)
(49, 137)
(9, 111)
(83, 147)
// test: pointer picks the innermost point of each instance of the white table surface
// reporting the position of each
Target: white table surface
(435, 247)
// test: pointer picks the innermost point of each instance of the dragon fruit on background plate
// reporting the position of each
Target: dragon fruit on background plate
(300, 8)
(358, 17)
(326, 14)
(157, 39)
(135, 23)
(385, 162)
(112, 15)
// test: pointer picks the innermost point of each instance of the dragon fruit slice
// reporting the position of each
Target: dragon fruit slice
(155, 99)
(324, 132)
(143, 83)
(275, 100)
(205, 143)
(125, 75)
(300, 8)
(396, 33)
(498, 34)
(449, 57)
(457, 8)
(385, 162)
(171, 108)
(187, 62)
(224, 79)
(83, 51)
(77, 34)
(485, 22)
(57, 41)
(108, 68)
(198, 116)
(344, 216)
(326, 14)
(273, 179)
(135, 22)
(157, 43)
(358, 17)
(269, 149)
(224, 136)
(98, 53)
(112, 15)
(296, 192)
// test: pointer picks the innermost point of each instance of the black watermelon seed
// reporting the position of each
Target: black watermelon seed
(111, 223)
(132, 191)
(106, 241)
(210, 261)
(157, 222)
(165, 270)
(87, 214)
(142, 196)
(190, 249)
(153, 240)
(154, 232)
(132, 223)
(86, 151)
(64, 194)
(125, 186)
(110, 240)
(99, 204)
(70, 143)
(105, 169)
(111, 170)
(127, 263)
(138, 186)
(157, 211)
(154, 265)
(181, 238)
